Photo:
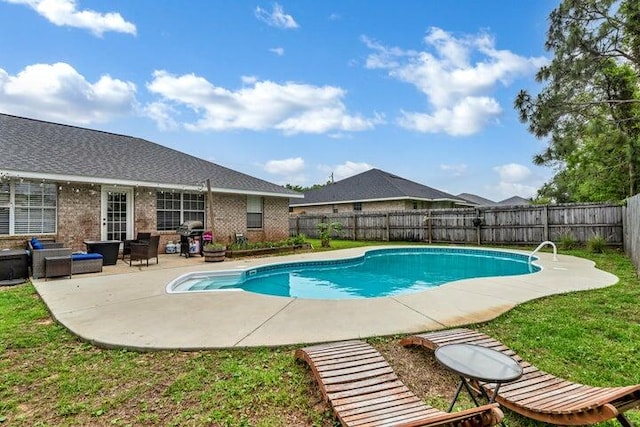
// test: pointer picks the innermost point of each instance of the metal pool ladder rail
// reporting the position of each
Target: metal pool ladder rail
(540, 246)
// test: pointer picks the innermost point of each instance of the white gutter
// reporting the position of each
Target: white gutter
(130, 183)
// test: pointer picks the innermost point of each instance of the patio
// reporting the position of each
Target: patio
(128, 307)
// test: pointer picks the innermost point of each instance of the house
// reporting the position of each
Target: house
(515, 201)
(373, 190)
(74, 184)
(477, 200)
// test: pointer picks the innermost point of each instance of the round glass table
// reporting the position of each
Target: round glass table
(474, 362)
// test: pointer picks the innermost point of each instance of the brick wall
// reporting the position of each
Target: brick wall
(390, 205)
(383, 206)
(276, 218)
(78, 214)
(144, 210)
(230, 216)
(79, 217)
(230, 211)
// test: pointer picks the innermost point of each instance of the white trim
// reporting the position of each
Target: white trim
(103, 210)
(129, 183)
(387, 199)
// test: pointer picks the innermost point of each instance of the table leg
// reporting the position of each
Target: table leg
(463, 383)
(495, 393)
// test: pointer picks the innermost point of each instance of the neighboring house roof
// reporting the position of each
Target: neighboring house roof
(478, 200)
(37, 149)
(515, 200)
(373, 185)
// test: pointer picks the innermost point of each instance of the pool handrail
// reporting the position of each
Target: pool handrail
(540, 246)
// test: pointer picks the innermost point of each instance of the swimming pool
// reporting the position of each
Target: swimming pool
(377, 273)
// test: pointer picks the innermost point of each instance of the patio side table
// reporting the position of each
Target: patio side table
(474, 362)
(57, 266)
(107, 248)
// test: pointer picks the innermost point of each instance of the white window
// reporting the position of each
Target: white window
(28, 207)
(172, 209)
(254, 212)
(5, 203)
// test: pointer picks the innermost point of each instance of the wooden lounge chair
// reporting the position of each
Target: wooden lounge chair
(539, 395)
(363, 390)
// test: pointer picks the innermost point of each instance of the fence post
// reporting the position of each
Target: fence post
(386, 226)
(429, 225)
(355, 227)
(479, 226)
(545, 222)
(297, 225)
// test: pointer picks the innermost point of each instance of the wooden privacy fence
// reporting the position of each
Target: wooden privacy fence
(482, 225)
(631, 215)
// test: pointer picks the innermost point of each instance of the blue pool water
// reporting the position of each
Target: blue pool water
(380, 272)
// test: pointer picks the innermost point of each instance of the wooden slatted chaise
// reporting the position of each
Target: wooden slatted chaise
(364, 391)
(539, 395)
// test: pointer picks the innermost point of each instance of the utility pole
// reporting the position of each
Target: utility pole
(210, 203)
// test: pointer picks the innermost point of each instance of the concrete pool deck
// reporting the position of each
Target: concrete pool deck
(128, 307)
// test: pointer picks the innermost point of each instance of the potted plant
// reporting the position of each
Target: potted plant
(214, 252)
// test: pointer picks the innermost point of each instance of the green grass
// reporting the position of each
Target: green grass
(51, 378)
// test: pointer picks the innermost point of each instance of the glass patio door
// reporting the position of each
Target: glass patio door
(117, 213)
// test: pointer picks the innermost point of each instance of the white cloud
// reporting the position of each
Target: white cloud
(276, 18)
(466, 117)
(291, 107)
(277, 50)
(285, 166)
(66, 13)
(515, 180)
(513, 172)
(58, 92)
(505, 190)
(345, 170)
(162, 114)
(249, 80)
(455, 170)
(457, 75)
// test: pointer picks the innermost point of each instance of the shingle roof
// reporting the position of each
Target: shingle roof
(473, 198)
(515, 200)
(35, 146)
(373, 184)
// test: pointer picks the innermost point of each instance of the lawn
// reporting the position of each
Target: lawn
(49, 377)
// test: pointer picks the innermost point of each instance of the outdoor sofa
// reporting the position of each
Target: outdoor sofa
(80, 263)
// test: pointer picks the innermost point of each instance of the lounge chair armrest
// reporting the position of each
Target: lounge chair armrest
(486, 415)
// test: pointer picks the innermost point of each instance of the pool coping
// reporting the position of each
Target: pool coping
(133, 310)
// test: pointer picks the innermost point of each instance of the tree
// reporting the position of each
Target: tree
(301, 189)
(589, 107)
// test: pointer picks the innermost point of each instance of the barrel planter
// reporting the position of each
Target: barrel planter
(214, 254)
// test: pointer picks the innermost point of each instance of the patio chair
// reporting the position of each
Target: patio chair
(126, 245)
(539, 395)
(40, 250)
(144, 250)
(363, 390)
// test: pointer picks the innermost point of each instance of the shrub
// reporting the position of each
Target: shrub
(297, 240)
(214, 247)
(327, 230)
(597, 244)
(300, 239)
(567, 240)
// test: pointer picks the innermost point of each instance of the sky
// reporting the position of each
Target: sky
(293, 92)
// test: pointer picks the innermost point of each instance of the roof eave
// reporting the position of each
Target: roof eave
(131, 183)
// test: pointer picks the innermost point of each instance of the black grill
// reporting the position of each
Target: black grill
(190, 232)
